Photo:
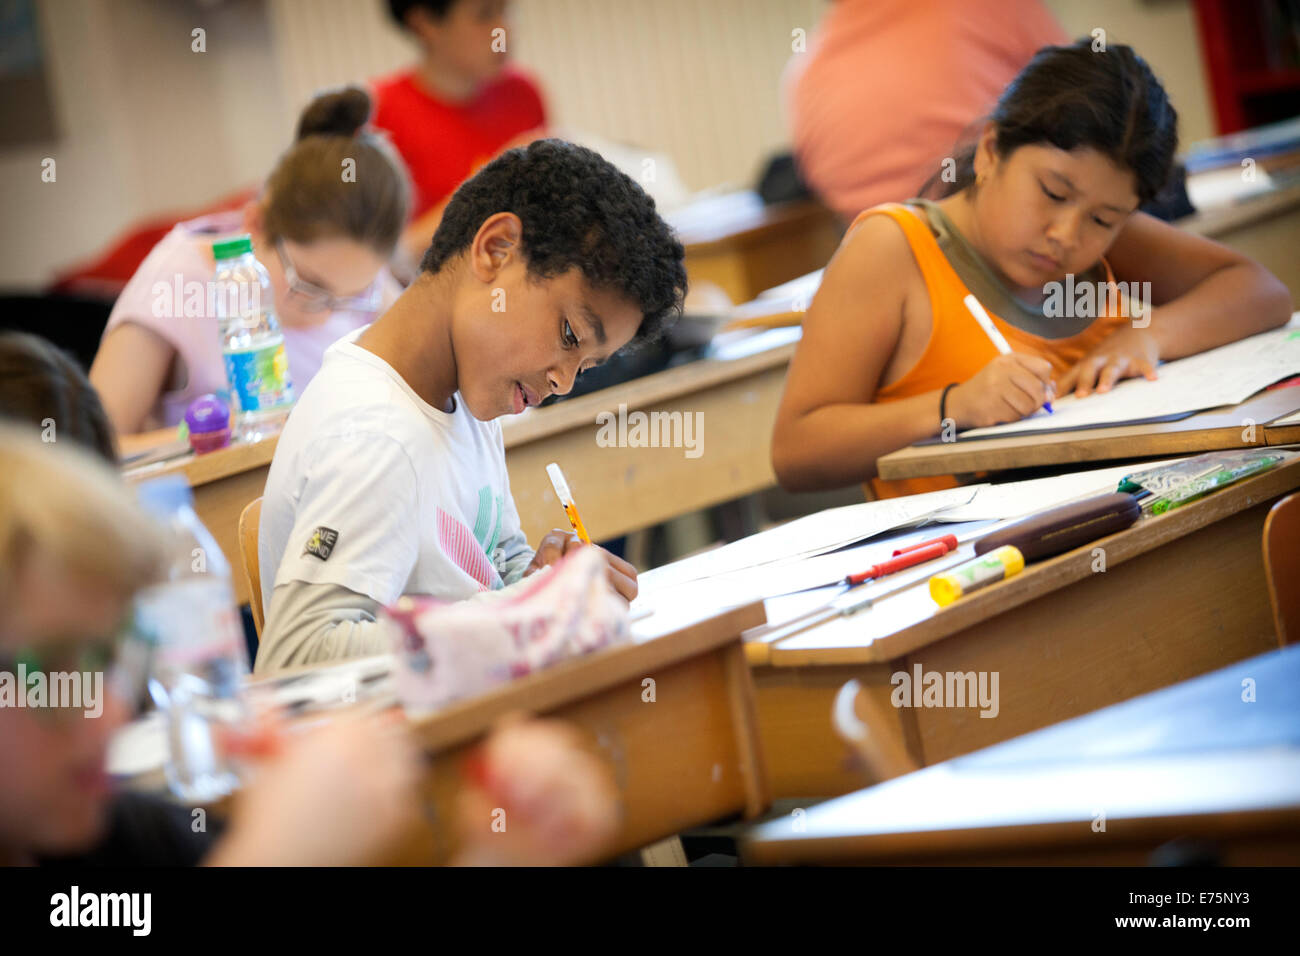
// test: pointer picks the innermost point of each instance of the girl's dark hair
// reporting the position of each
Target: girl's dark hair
(40, 381)
(309, 196)
(1072, 97)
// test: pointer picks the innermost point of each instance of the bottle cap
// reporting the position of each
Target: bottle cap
(1011, 557)
(207, 413)
(232, 248)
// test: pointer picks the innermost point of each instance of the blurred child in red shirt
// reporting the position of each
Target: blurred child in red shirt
(458, 107)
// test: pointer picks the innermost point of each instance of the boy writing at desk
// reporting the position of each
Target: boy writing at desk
(390, 475)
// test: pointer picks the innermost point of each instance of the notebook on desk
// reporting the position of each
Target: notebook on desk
(1227, 375)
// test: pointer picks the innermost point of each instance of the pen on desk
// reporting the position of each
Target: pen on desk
(999, 341)
(566, 499)
(902, 558)
(949, 541)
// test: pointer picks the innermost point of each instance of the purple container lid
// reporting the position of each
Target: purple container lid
(207, 413)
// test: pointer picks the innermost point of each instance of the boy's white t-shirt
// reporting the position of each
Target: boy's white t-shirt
(373, 489)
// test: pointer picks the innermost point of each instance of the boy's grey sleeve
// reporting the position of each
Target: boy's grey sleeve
(513, 553)
(323, 623)
(317, 623)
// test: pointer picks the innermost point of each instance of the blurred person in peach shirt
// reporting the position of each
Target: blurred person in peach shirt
(887, 87)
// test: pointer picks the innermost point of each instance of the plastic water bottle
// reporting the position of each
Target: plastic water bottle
(252, 345)
(199, 661)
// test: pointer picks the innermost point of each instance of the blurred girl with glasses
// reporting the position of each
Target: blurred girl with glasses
(325, 225)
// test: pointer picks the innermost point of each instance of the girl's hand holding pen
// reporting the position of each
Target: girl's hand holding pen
(1007, 389)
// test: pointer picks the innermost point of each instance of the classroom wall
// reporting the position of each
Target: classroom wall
(697, 79)
(1164, 32)
(141, 122)
(143, 119)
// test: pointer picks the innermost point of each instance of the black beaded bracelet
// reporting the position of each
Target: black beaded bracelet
(943, 403)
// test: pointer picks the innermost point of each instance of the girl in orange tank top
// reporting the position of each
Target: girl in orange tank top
(1039, 223)
(957, 347)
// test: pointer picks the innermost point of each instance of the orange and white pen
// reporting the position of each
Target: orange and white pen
(566, 498)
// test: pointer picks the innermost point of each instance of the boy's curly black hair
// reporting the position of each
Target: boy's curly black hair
(578, 211)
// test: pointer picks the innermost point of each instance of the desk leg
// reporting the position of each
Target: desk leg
(805, 757)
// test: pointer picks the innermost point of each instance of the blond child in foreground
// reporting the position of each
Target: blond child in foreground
(74, 548)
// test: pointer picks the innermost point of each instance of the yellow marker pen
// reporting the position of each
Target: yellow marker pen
(566, 498)
(1003, 562)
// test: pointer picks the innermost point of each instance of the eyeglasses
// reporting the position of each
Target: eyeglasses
(313, 298)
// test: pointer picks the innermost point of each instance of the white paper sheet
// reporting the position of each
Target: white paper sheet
(805, 537)
(1223, 376)
(775, 582)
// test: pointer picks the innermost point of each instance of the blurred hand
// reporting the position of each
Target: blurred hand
(1006, 390)
(334, 795)
(557, 543)
(1125, 353)
(552, 802)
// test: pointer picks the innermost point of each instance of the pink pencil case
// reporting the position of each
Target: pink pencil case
(448, 651)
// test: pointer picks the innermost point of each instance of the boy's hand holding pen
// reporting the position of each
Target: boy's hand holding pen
(556, 543)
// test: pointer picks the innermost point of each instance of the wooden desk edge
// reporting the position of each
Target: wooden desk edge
(584, 676)
(1033, 451)
(758, 224)
(1217, 221)
(1047, 576)
(640, 393)
(202, 469)
(1062, 836)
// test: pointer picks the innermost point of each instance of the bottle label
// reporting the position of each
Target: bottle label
(193, 628)
(259, 378)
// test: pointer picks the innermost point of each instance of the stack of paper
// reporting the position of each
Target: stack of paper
(1224, 376)
(803, 538)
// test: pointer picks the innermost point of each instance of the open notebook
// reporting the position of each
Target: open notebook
(1224, 376)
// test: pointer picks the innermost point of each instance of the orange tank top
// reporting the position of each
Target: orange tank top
(957, 347)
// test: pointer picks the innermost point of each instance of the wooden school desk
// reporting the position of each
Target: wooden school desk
(1210, 430)
(1191, 762)
(735, 241)
(623, 489)
(688, 757)
(1265, 227)
(1181, 594)
(682, 752)
(223, 482)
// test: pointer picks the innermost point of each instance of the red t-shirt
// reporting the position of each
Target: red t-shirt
(442, 143)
